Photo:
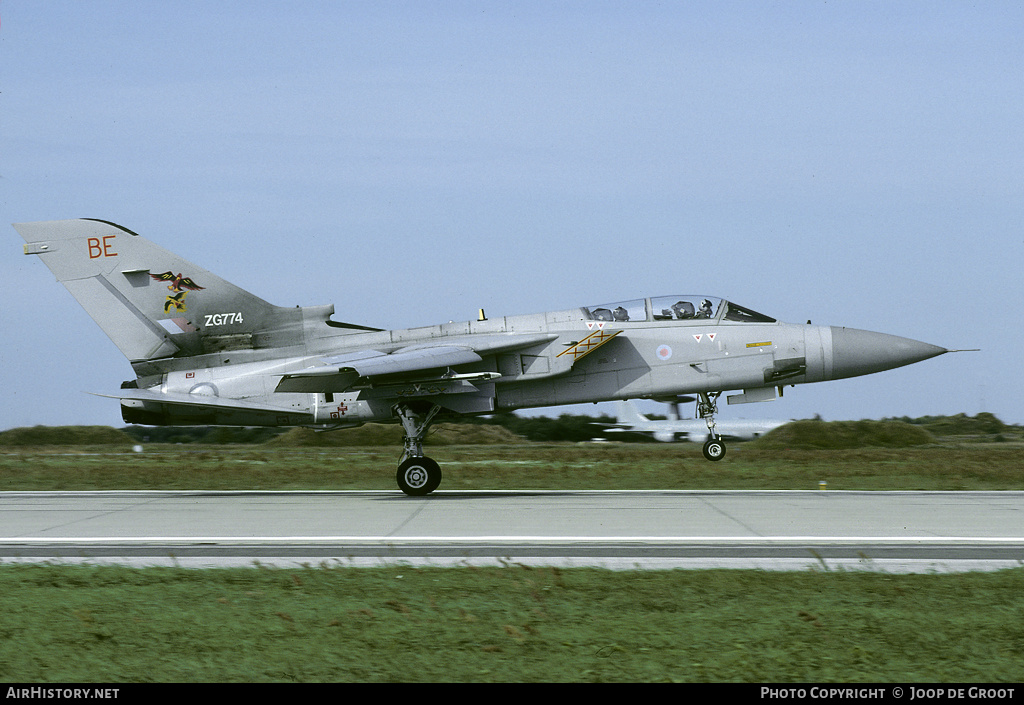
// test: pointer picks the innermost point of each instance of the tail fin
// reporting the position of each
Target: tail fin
(627, 414)
(150, 302)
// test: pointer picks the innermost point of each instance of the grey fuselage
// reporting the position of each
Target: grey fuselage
(644, 359)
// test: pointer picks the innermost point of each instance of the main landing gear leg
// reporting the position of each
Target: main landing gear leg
(707, 407)
(417, 475)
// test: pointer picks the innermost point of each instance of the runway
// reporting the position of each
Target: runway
(621, 530)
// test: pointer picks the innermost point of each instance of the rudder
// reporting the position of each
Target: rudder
(628, 414)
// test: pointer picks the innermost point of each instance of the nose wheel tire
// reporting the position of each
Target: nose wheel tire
(418, 476)
(714, 450)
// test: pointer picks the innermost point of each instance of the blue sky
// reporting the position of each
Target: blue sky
(852, 163)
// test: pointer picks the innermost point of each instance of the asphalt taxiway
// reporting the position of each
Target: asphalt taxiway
(772, 530)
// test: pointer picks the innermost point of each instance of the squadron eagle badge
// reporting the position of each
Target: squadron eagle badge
(179, 287)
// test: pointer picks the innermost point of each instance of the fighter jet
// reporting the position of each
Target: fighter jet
(630, 420)
(205, 352)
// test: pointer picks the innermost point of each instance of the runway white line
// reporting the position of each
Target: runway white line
(773, 529)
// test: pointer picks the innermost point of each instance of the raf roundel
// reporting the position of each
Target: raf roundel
(664, 352)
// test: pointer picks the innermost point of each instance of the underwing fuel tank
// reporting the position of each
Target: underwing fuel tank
(854, 352)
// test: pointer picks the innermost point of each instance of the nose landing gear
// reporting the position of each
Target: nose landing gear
(707, 407)
(714, 449)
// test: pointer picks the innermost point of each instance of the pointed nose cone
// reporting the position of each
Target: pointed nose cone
(861, 352)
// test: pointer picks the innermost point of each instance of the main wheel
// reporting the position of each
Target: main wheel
(714, 449)
(418, 476)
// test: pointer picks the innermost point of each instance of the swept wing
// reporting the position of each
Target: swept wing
(339, 373)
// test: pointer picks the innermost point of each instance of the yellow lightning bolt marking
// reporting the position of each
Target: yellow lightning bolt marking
(589, 344)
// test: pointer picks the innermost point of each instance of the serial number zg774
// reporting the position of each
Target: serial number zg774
(223, 319)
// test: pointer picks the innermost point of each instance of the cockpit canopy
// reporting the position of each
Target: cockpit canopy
(675, 308)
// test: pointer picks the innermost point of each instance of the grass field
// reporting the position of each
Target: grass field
(989, 466)
(118, 625)
(515, 624)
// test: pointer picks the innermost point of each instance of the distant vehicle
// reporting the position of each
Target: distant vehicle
(206, 352)
(629, 420)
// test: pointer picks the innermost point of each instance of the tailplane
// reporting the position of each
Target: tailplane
(150, 302)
